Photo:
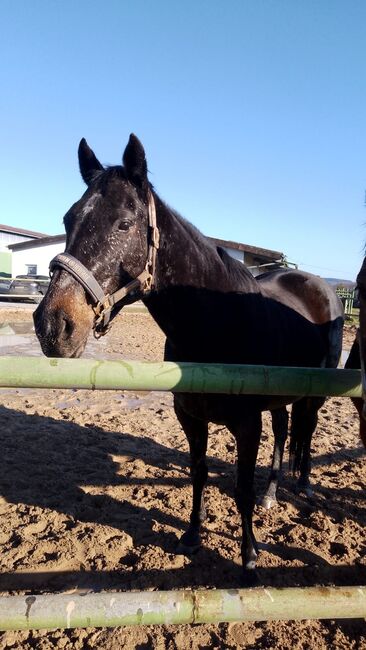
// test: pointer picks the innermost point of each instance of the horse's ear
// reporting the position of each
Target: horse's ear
(134, 161)
(88, 162)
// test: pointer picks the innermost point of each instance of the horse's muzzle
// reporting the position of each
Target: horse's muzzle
(60, 329)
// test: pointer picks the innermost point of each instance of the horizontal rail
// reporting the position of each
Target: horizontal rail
(177, 607)
(233, 379)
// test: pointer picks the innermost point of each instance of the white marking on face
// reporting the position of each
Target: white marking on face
(89, 205)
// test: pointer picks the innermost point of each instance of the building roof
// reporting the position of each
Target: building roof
(246, 248)
(22, 232)
(254, 250)
(32, 243)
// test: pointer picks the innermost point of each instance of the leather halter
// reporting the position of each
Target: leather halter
(104, 303)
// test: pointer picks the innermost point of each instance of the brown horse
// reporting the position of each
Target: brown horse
(122, 244)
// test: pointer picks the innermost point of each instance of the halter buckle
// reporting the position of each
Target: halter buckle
(101, 307)
(147, 285)
(155, 236)
(102, 311)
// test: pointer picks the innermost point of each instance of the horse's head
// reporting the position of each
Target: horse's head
(107, 235)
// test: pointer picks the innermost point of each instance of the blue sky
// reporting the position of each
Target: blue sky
(252, 115)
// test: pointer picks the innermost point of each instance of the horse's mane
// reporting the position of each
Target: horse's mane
(237, 271)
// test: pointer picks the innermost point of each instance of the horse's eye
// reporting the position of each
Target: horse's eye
(124, 225)
(124, 219)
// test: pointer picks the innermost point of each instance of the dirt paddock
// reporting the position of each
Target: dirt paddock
(95, 491)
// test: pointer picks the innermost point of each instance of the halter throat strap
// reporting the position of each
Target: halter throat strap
(104, 303)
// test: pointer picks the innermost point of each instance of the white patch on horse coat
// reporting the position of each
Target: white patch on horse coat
(90, 203)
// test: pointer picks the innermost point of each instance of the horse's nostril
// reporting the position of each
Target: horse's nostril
(42, 325)
(67, 327)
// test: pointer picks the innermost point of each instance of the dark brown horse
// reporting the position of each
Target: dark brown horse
(357, 357)
(122, 244)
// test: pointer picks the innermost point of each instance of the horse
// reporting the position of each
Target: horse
(123, 243)
(357, 356)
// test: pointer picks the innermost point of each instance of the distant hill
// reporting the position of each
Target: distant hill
(337, 282)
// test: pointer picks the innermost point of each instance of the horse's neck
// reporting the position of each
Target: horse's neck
(187, 259)
(197, 294)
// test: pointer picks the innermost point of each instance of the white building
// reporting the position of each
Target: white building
(37, 254)
(8, 236)
(34, 256)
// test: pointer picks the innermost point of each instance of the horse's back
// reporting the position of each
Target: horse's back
(309, 295)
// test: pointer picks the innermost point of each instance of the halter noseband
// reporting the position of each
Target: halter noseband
(104, 303)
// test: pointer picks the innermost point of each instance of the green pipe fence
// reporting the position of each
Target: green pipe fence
(190, 606)
(177, 607)
(233, 379)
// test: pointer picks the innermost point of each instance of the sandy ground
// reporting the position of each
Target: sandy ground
(95, 491)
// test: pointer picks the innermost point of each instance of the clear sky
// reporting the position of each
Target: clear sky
(252, 115)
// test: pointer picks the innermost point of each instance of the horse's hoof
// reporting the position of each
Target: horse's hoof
(185, 549)
(268, 502)
(250, 579)
(304, 490)
(188, 544)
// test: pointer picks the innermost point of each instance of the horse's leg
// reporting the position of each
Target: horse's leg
(304, 418)
(197, 434)
(280, 429)
(247, 434)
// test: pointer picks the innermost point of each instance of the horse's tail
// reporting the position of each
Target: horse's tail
(304, 418)
(297, 445)
(354, 361)
(296, 452)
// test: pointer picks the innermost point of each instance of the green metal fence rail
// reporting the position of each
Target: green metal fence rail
(40, 372)
(114, 609)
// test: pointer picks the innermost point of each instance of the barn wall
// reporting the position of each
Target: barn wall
(39, 255)
(5, 264)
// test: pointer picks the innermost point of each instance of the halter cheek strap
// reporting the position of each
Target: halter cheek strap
(104, 303)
